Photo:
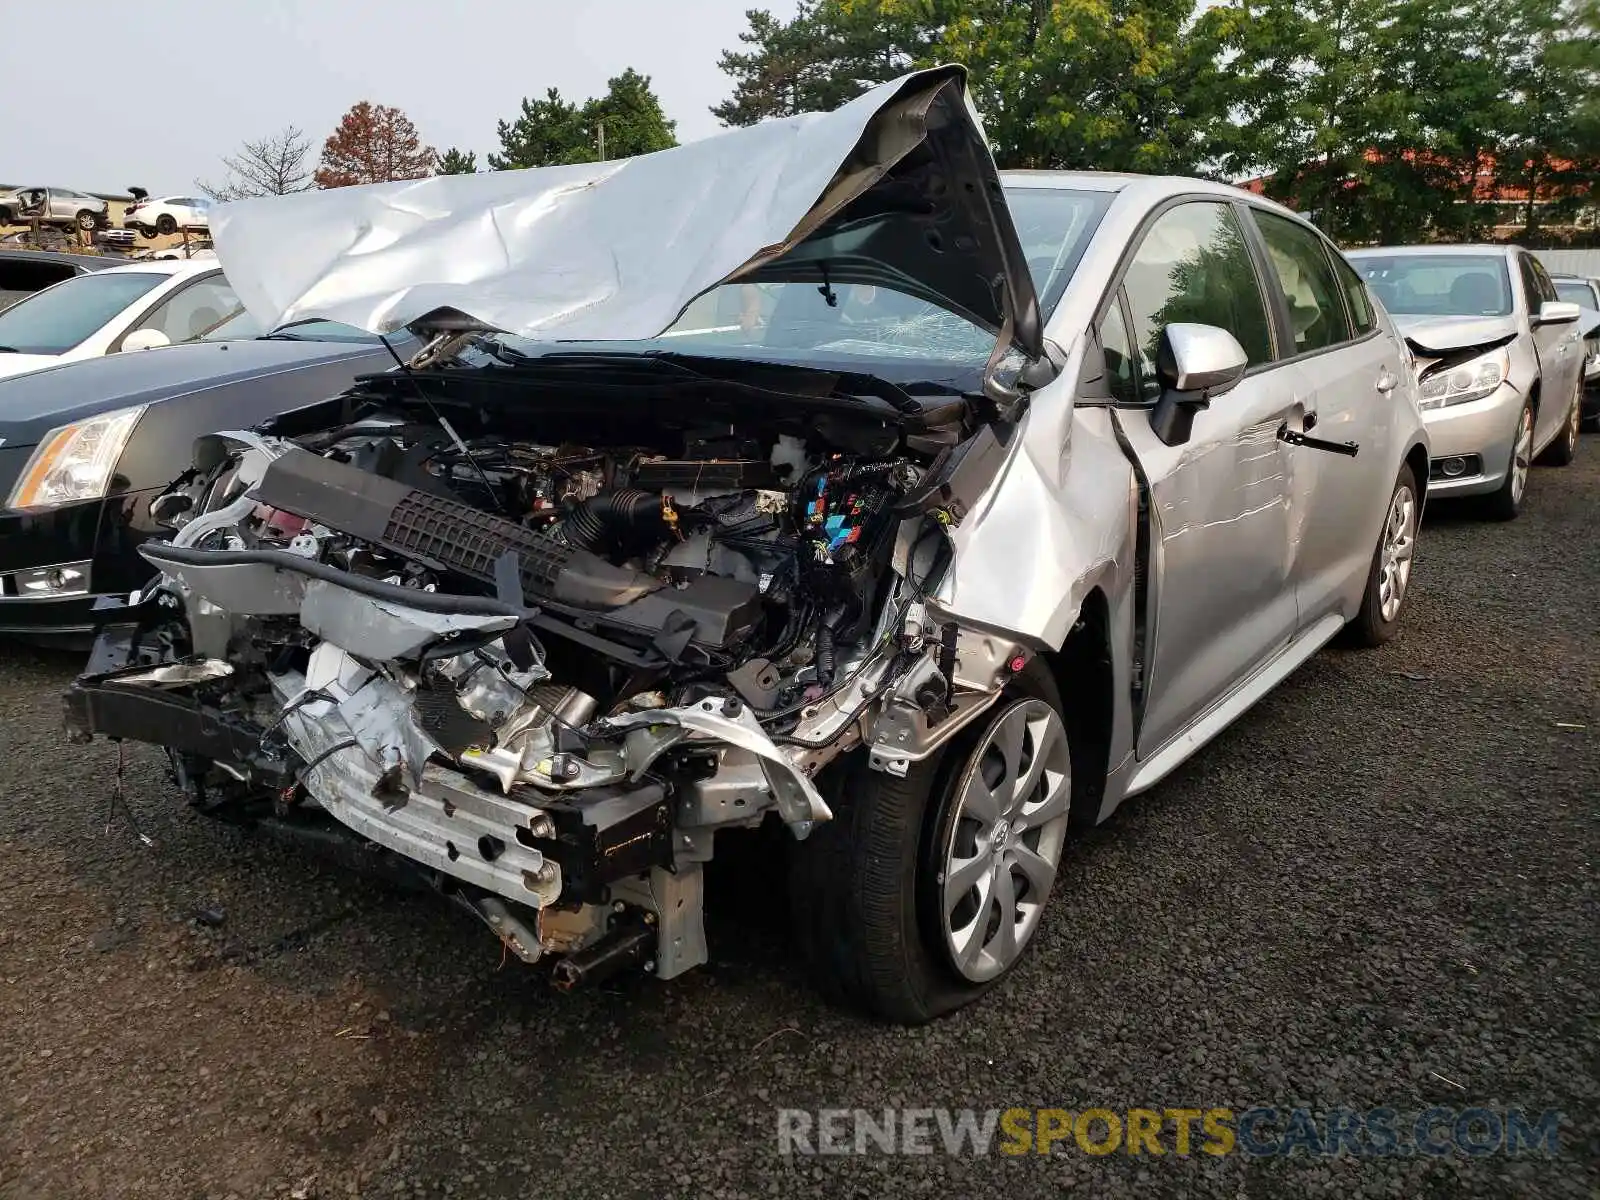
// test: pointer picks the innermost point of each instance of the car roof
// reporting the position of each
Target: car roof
(1464, 248)
(90, 262)
(1151, 189)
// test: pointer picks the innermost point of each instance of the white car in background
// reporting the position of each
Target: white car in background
(137, 307)
(166, 214)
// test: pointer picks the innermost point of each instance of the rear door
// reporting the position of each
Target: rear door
(1221, 600)
(1346, 373)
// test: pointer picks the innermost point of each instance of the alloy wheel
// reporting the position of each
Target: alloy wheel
(1006, 839)
(1522, 457)
(1399, 548)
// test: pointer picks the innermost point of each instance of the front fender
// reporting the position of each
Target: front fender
(1058, 522)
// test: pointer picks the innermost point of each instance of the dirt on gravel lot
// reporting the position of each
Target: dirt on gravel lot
(1377, 889)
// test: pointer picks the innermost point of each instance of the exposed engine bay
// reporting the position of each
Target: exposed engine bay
(544, 651)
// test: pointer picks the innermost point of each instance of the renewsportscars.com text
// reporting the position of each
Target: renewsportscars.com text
(1260, 1132)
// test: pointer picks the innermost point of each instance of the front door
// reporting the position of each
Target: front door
(1560, 353)
(1221, 600)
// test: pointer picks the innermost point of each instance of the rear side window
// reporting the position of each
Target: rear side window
(1193, 266)
(1547, 286)
(1316, 309)
(194, 311)
(1530, 282)
(1356, 297)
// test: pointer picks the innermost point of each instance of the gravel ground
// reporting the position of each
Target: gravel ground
(1378, 888)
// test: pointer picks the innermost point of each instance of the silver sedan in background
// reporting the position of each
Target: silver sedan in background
(1500, 361)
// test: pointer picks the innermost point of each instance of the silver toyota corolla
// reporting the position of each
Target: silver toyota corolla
(1500, 361)
(812, 474)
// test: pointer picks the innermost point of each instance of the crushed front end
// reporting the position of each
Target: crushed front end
(543, 663)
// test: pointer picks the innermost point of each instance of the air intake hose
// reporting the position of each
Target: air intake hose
(620, 521)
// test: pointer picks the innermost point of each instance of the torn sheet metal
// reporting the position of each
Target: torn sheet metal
(797, 798)
(378, 630)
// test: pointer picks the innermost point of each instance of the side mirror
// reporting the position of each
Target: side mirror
(1556, 312)
(1194, 363)
(146, 339)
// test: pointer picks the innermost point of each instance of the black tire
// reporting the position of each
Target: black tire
(863, 886)
(166, 224)
(147, 232)
(1565, 448)
(1505, 504)
(7, 217)
(86, 221)
(1370, 627)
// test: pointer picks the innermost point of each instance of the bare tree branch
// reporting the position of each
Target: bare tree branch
(272, 166)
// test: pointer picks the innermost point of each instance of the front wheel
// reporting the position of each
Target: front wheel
(1565, 448)
(924, 891)
(1389, 579)
(1505, 504)
(86, 221)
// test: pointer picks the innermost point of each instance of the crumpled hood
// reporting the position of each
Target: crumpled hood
(897, 188)
(1434, 336)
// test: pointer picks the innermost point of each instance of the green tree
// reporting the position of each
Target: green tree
(631, 116)
(458, 162)
(1313, 99)
(826, 55)
(1061, 83)
(546, 131)
(1548, 147)
(555, 130)
(1382, 119)
(1388, 121)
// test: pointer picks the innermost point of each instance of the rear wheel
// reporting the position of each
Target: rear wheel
(166, 223)
(1506, 503)
(1565, 448)
(925, 891)
(1389, 579)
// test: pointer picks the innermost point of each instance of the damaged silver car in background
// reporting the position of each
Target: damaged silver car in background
(813, 474)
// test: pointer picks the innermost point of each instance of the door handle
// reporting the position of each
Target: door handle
(1295, 438)
(1387, 381)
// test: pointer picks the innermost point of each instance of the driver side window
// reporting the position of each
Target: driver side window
(1193, 265)
(194, 310)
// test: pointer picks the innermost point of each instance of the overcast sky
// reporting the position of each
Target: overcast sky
(153, 93)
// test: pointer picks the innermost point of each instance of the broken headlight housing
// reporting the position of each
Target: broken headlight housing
(1471, 380)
